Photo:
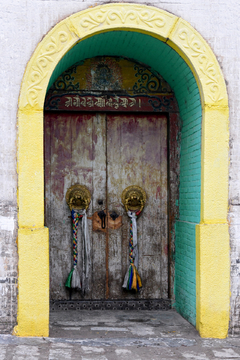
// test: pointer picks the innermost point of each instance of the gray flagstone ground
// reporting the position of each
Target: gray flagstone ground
(111, 334)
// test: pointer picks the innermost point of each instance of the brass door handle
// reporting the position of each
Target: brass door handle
(134, 198)
(78, 197)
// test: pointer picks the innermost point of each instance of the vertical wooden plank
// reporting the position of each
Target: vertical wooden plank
(164, 206)
(173, 208)
(124, 169)
(60, 225)
(150, 260)
(82, 173)
(99, 193)
(154, 262)
(114, 182)
(132, 174)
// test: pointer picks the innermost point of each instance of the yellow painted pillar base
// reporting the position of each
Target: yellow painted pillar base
(212, 280)
(33, 291)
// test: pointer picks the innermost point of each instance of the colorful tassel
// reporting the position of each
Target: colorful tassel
(69, 279)
(132, 280)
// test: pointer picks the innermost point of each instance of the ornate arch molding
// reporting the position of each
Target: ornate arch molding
(212, 232)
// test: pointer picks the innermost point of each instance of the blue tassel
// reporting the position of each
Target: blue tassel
(130, 279)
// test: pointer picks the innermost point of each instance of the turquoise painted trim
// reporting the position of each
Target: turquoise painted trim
(167, 62)
(185, 271)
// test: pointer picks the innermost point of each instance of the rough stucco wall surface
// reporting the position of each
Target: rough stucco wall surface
(23, 24)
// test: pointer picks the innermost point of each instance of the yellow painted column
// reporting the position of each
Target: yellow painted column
(214, 184)
(212, 236)
(30, 169)
(212, 279)
(33, 237)
(33, 290)
(33, 242)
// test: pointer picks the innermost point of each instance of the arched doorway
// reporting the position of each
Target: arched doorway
(191, 69)
(111, 122)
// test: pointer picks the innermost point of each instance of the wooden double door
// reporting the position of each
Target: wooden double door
(108, 152)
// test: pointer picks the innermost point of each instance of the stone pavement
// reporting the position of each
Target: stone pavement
(119, 335)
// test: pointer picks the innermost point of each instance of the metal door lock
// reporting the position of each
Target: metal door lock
(102, 216)
(114, 215)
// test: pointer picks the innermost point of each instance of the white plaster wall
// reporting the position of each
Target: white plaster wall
(23, 24)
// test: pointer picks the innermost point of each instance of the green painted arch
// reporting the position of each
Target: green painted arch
(169, 64)
(141, 47)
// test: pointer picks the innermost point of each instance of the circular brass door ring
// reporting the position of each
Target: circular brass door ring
(78, 197)
(134, 198)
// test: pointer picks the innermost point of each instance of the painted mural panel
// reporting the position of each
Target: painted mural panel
(112, 74)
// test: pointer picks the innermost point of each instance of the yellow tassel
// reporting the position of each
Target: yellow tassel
(134, 283)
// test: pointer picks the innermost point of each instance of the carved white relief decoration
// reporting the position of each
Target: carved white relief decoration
(122, 16)
(198, 50)
(40, 68)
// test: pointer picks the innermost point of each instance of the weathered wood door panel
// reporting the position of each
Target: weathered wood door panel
(75, 152)
(137, 154)
(107, 153)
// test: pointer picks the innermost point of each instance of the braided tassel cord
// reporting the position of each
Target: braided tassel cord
(73, 281)
(132, 280)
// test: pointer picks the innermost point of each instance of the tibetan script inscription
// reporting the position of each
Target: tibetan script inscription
(87, 102)
(102, 102)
